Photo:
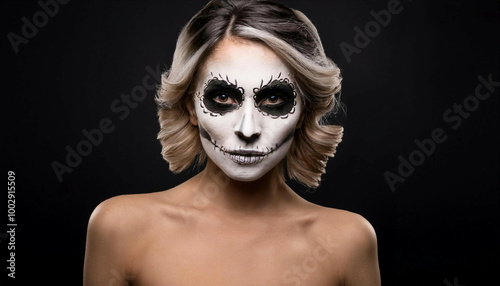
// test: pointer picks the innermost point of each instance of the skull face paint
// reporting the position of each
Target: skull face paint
(246, 126)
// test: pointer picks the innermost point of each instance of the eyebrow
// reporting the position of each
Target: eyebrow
(284, 89)
(272, 81)
(219, 78)
(215, 85)
(283, 84)
(222, 84)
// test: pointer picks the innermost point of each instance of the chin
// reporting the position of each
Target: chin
(243, 176)
(244, 173)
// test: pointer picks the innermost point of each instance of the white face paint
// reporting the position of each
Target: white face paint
(247, 109)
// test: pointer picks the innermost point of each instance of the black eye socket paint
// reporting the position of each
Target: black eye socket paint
(221, 96)
(276, 99)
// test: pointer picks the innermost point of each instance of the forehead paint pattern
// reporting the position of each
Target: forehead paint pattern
(281, 90)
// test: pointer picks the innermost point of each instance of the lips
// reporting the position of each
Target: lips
(246, 159)
(247, 152)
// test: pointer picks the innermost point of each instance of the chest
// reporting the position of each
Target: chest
(235, 258)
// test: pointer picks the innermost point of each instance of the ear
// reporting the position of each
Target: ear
(192, 113)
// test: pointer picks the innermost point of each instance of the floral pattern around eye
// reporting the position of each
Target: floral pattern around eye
(283, 105)
(220, 96)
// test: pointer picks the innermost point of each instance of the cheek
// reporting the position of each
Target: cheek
(279, 129)
(219, 126)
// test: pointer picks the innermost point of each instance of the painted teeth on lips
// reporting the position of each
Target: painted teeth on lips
(246, 159)
(247, 152)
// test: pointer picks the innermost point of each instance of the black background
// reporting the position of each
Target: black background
(439, 226)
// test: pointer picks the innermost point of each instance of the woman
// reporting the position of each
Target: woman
(244, 97)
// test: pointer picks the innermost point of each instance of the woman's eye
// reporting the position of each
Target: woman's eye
(272, 100)
(224, 98)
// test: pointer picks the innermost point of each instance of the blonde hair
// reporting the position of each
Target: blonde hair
(292, 36)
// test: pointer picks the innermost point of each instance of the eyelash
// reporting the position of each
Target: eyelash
(278, 97)
(281, 92)
(220, 101)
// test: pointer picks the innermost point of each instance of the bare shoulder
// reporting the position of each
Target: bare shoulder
(116, 234)
(355, 243)
(129, 213)
(344, 224)
(115, 223)
(134, 215)
(118, 213)
(348, 225)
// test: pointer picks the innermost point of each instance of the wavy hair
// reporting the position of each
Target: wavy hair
(292, 36)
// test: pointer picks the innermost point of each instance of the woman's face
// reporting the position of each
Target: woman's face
(246, 108)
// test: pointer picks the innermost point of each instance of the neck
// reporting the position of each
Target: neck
(267, 193)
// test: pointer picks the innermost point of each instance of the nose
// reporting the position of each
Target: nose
(248, 129)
